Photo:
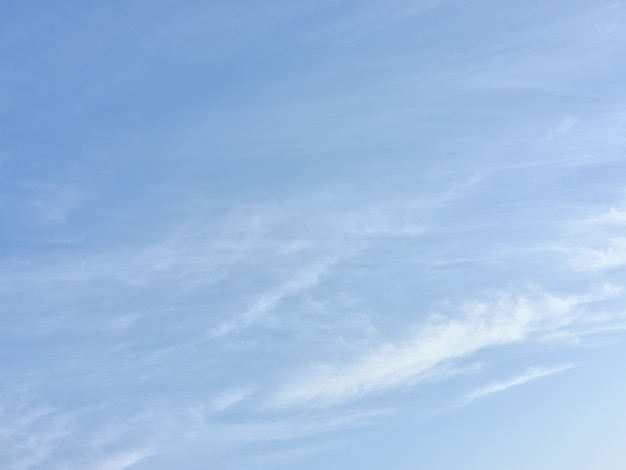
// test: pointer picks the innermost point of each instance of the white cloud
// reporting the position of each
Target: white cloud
(564, 127)
(28, 434)
(507, 320)
(596, 242)
(614, 217)
(123, 460)
(288, 428)
(229, 398)
(265, 303)
(528, 376)
(608, 254)
(53, 202)
(374, 17)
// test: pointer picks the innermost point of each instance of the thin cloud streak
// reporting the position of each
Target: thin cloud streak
(497, 387)
(230, 398)
(302, 281)
(123, 460)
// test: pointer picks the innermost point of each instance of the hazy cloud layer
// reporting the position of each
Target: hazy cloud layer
(238, 235)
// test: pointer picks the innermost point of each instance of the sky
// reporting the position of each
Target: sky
(323, 234)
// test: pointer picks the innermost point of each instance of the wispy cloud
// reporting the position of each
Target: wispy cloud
(289, 456)
(288, 428)
(596, 242)
(230, 398)
(505, 321)
(122, 460)
(607, 254)
(496, 387)
(563, 127)
(271, 222)
(30, 434)
(262, 306)
(375, 16)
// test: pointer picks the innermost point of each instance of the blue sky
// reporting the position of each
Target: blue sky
(320, 234)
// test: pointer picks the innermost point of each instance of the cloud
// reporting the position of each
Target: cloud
(30, 434)
(614, 217)
(298, 283)
(122, 460)
(344, 128)
(289, 456)
(503, 321)
(608, 254)
(564, 127)
(287, 428)
(528, 376)
(229, 398)
(596, 243)
(34, 435)
(53, 203)
(375, 16)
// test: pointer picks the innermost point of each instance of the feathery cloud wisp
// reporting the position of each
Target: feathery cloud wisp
(528, 376)
(507, 320)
